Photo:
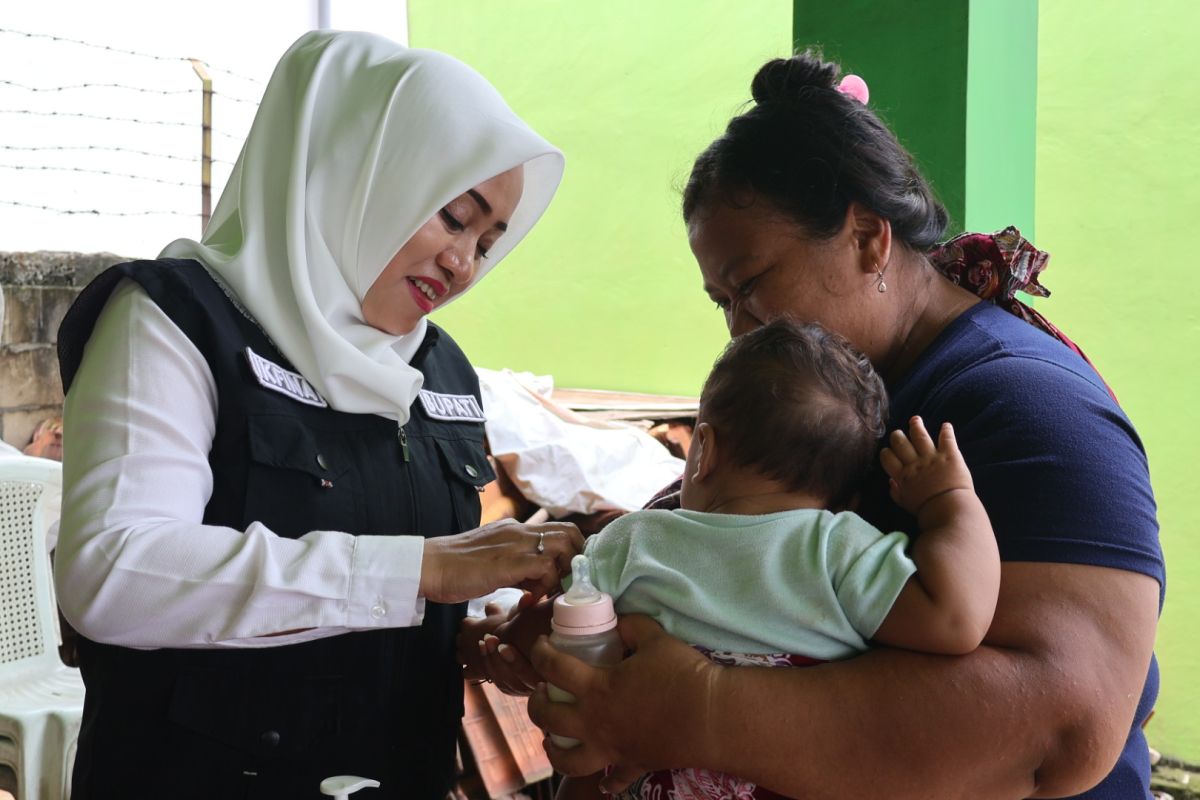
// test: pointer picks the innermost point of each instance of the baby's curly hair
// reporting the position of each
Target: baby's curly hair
(795, 402)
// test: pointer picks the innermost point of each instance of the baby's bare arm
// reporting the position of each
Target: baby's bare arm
(947, 606)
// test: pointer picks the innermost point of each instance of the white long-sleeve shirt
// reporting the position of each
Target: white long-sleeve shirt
(135, 566)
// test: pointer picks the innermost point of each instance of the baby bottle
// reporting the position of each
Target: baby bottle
(584, 625)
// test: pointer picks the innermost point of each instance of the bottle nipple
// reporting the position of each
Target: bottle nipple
(582, 592)
(584, 610)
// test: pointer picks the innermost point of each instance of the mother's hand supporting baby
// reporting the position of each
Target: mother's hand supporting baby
(661, 677)
(1015, 718)
(503, 553)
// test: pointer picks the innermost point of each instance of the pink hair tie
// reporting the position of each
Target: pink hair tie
(856, 87)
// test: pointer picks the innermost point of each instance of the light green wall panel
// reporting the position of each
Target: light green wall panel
(1118, 199)
(1001, 127)
(604, 293)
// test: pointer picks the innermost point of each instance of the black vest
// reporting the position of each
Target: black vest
(272, 722)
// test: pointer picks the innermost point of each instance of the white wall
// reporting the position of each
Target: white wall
(239, 39)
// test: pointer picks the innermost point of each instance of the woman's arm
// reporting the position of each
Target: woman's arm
(135, 566)
(1041, 710)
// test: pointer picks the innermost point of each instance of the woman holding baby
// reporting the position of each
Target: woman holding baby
(808, 207)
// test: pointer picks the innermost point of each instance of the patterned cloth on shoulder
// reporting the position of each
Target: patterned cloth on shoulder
(996, 266)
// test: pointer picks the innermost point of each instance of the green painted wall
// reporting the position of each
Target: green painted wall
(604, 293)
(1118, 197)
(1001, 129)
(914, 59)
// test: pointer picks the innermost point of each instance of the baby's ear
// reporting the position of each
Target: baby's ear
(705, 440)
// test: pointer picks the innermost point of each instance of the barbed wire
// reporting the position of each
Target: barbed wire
(83, 115)
(192, 90)
(97, 212)
(103, 117)
(88, 171)
(123, 51)
(235, 75)
(28, 88)
(235, 99)
(109, 48)
(114, 149)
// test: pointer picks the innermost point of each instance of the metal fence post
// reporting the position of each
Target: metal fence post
(205, 145)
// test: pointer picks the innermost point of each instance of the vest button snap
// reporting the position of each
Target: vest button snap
(270, 738)
(321, 462)
(474, 473)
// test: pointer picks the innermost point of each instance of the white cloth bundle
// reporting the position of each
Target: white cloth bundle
(563, 462)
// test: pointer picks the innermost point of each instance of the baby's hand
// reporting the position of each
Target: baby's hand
(919, 470)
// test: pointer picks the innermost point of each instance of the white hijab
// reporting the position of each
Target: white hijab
(358, 142)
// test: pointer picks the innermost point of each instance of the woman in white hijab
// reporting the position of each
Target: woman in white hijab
(273, 459)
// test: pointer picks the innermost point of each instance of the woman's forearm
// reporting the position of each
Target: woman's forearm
(1032, 714)
(890, 723)
(1043, 710)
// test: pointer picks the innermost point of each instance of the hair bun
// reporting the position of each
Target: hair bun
(782, 80)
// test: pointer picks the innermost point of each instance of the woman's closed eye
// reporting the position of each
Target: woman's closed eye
(740, 293)
(452, 222)
(457, 226)
(746, 287)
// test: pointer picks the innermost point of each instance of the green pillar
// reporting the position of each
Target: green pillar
(957, 81)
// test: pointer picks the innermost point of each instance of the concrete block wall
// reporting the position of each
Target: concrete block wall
(38, 288)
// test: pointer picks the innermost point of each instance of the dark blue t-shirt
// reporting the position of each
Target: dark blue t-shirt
(1057, 464)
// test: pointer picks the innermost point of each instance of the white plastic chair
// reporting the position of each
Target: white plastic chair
(41, 699)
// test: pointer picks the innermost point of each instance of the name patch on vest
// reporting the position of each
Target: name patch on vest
(277, 379)
(451, 407)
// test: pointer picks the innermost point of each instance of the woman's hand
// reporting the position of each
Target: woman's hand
(623, 710)
(504, 651)
(503, 553)
(496, 647)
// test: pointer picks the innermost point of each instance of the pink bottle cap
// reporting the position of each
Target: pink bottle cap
(584, 609)
(584, 619)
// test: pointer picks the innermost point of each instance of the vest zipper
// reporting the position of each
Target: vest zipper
(403, 437)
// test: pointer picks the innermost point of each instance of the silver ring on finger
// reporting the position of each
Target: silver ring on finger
(541, 545)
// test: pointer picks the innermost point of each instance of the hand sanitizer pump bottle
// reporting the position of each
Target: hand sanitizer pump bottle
(585, 626)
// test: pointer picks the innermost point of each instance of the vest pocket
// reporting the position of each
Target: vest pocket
(299, 479)
(259, 715)
(465, 463)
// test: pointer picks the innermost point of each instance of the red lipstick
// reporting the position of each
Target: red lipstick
(420, 298)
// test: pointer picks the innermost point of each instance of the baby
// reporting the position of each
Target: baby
(764, 564)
